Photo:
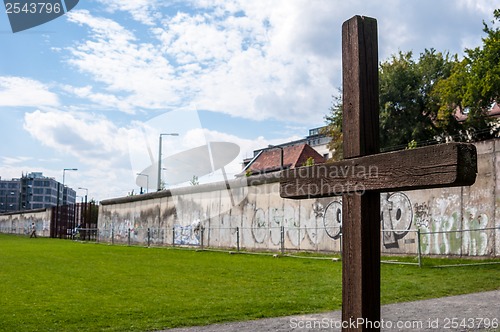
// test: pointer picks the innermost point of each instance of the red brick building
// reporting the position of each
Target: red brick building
(275, 158)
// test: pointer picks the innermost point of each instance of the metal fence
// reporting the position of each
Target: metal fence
(282, 239)
(416, 243)
(24, 230)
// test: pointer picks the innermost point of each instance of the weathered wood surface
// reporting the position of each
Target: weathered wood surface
(450, 165)
(360, 98)
(364, 174)
(360, 213)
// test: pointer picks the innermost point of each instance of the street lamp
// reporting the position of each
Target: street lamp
(159, 159)
(147, 181)
(5, 205)
(64, 177)
(86, 192)
(67, 169)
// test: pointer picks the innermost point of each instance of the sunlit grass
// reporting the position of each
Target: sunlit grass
(61, 285)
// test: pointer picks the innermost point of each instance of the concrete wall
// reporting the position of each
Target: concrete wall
(446, 218)
(20, 223)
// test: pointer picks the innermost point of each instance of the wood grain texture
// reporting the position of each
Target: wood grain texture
(364, 174)
(445, 165)
(361, 259)
(360, 87)
(361, 213)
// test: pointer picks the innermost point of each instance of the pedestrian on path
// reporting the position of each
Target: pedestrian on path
(33, 230)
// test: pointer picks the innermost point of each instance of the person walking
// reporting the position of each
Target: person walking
(33, 230)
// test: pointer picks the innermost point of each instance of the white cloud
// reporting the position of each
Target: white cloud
(239, 65)
(21, 91)
(10, 161)
(124, 66)
(143, 11)
(250, 59)
(102, 100)
(484, 7)
(93, 139)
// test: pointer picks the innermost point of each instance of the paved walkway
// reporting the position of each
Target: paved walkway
(472, 312)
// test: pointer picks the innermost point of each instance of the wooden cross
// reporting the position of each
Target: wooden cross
(365, 173)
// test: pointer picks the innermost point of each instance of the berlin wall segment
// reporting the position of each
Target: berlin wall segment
(444, 216)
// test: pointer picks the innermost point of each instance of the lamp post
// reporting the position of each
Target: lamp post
(159, 159)
(64, 177)
(5, 204)
(55, 230)
(86, 192)
(147, 181)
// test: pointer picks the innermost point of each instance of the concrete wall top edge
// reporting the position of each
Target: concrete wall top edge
(23, 212)
(254, 180)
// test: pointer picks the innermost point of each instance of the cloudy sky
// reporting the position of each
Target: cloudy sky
(94, 88)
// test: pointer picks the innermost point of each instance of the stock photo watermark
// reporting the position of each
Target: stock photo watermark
(24, 14)
(446, 323)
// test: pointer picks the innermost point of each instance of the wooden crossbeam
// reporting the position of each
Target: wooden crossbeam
(445, 165)
(365, 173)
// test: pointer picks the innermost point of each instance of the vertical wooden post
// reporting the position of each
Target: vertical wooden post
(361, 211)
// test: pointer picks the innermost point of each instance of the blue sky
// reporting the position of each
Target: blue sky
(94, 88)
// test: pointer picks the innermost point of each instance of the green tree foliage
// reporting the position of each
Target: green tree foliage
(308, 162)
(474, 86)
(408, 108)
(419, 97)
(194, 181)
(333, 128)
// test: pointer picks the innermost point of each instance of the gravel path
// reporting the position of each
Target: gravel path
(472, 312)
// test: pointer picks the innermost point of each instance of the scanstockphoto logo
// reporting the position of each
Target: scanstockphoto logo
(173, 151)
(24, 14)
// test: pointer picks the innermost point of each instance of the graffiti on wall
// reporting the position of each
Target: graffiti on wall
(188, 235)
(332, 219)
(396, 215)
(448, 233)
(446, 225)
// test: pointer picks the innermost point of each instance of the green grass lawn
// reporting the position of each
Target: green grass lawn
(61, 285)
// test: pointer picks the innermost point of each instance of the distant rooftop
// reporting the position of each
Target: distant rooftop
(269, 159)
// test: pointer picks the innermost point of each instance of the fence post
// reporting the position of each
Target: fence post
(341, 245)
(238, 239)
(173, 236)
(282, 240)
(419, 250)
(129, 236)
(202, 232)
(149, 237)
(112, 235)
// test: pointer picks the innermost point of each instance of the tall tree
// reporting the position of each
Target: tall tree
(435, 97)
(408, 108)
(333, 128)
(474, 86)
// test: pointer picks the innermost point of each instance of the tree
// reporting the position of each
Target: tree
(474, 86)
(194, 181)
(408, 106)
(333, 128)
(426, 100)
